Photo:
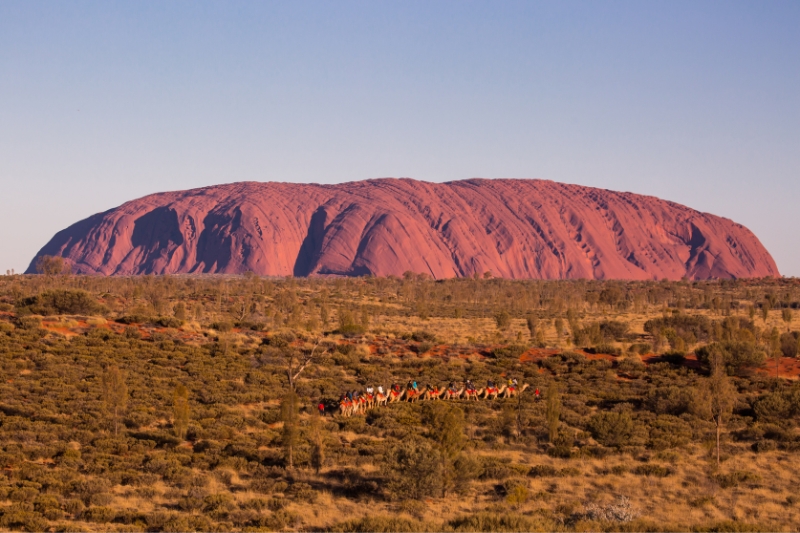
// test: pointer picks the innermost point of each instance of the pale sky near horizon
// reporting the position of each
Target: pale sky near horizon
(103, 102)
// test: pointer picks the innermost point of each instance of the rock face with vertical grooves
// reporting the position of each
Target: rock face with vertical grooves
(512, 228)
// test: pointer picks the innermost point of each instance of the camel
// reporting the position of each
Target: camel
(381, 399)
(432, 394)
(451, 395)
(494, 392)
(474, 394)
(395, 396)
(369, 400)
(414, 395)
(510, 392)
(361, 404)
(346, 408)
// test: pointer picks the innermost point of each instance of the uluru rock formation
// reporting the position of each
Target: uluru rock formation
(512, 228)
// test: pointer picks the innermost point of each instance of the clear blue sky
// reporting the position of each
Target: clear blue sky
(103, 102)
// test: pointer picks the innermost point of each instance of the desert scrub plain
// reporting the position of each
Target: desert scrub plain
(164, 404)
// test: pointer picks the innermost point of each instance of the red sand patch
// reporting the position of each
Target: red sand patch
(788, 368)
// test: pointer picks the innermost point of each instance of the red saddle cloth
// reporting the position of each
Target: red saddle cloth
(370, 397)
(512, 389)
(395, 393)
(492, 390)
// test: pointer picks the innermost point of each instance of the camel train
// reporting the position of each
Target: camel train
(359, 403)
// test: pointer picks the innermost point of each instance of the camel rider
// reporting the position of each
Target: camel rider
(452, 387)
(469, 386)
(414, 384)
(370, 390)
(536, 393)
(514, 383)
(490, 384)
(380, 390)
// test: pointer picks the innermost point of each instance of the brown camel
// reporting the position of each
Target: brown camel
(510, 392)
(381, 399)
(432, 394)
(395, 396)
(370, 400)
(346, 408)
(415, 395)
(361, 404)
(474, 394)
(452, 395)
(494, 392)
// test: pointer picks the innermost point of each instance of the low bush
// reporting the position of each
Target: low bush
(652, 470)
(60, 302)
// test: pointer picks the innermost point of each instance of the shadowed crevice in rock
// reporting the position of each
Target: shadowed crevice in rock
(312, 245)
(215, 241)
(157, 230)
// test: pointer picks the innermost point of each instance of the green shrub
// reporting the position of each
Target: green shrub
(612, 428)
(379, 524)
(737, 356)
(413, 470)
(736, 478)
(423, 336)
(500, 522)
(543, 471)
(168, 322)
(674, 357)
(614, 330)
(640, 348)
(301, 492)
(513, 351)
(652, 470)
(697, 326)
(669, 431)
(222, 326)
(101, 515)
(60, 302)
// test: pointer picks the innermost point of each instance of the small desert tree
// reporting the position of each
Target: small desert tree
(115, 394)
(503, 320)
(179, 310)
(413, 470)
(775, 352)
(446, 423)
(559, 325)
(552, 410)
(289, 416)
(786, 315)
(180, 411)
(51, 266)
(317, 439)
(715, 398)
(533, 324)
(324, 314)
